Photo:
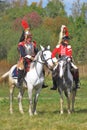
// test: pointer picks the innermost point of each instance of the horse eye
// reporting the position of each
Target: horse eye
(44, 55)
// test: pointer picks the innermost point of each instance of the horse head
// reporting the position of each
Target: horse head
(62, 64)
(46, 56)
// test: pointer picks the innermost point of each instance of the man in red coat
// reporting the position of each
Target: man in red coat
(64, 49)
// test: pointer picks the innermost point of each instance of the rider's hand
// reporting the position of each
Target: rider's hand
(55, 60)
(68, 59)
(29, 57)
(32, 58)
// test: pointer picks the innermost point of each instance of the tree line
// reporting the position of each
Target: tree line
(45, 24)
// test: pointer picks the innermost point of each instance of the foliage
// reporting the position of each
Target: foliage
(3, 5)
(3, 51)
(79, 10)
(54, 24)
(42, 36)
(16, 24)
(12, 57)
(45, 26)
(34, 7)
(18, 3)
(34, 19)
(58, 21)
(55, 8)
(48, 23)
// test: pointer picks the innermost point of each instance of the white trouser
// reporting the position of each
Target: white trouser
(74, 66)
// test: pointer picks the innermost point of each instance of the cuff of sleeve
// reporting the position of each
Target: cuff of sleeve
(55, 59)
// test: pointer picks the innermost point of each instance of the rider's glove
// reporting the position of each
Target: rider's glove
(68, 59)
(29, 57)
(55, 60)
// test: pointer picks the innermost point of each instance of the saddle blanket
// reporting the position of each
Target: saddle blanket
(15, 73)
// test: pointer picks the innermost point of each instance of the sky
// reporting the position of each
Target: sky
(68, 4)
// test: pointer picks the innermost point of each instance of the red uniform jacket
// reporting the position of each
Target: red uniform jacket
(62, 50)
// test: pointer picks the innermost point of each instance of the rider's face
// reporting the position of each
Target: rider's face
(29, 39)
(66, 41)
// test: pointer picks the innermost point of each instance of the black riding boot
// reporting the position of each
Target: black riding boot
(20, 78)
(44, 85)
(54, 78)
(76, 78)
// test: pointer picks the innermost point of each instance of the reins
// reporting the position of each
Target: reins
(44, 61)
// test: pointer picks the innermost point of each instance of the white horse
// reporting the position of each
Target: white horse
(32, 81)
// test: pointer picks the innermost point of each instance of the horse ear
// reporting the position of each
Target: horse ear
(48, 47)
(42, 48)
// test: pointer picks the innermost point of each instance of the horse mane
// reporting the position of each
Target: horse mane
(69, 72)
(35, 59)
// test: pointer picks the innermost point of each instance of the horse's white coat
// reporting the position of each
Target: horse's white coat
(34, 79)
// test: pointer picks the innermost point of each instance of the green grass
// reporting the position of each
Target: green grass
(48, 117)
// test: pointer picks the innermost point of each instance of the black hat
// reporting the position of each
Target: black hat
(66, 38)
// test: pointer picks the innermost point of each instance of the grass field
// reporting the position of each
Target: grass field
(48, 117)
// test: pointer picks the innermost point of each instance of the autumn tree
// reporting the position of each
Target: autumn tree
(34, 19)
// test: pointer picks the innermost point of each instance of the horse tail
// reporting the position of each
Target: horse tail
(4, 77)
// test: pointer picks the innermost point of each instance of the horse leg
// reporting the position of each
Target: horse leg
(30, 92)
(11, 97)
(35, 100)
(61, 103)
(69, 101)
(73, 99)
(20, 96)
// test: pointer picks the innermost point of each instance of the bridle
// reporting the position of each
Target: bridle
(44, 61)
(66, 63)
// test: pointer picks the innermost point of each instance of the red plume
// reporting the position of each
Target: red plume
(66, 31)
(24, 24)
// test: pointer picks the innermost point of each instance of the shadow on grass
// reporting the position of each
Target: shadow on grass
(81, 111)
(47, 112)
(65, 111)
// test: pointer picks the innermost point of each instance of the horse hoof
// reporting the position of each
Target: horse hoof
(69, 112)
(21, 112)
(35, 113)
(61, 112)
(31, 114)
(11, 112)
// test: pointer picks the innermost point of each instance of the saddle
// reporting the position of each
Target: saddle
(22, 65)
(15, 73)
